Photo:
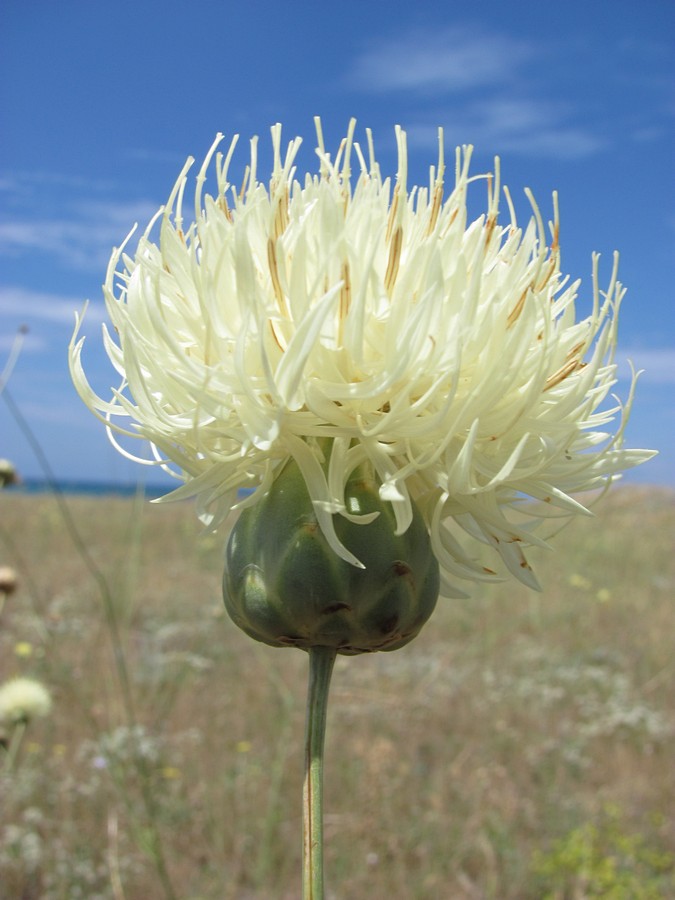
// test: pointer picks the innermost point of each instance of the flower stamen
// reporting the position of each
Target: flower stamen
(345, 299)
(562, 373)
(274, 275)
(438, 185)
(394, 260)
(518, 308)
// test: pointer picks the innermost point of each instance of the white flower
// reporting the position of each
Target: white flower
(445, 352)
(22, 699)
(8, 474)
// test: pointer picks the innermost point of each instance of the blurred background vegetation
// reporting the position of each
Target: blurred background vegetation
(521, 748)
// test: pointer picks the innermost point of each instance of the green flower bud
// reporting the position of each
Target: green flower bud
(284, 585)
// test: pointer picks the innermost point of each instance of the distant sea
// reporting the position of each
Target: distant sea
(91, 488)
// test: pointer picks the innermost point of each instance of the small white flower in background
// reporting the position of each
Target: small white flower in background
(445, 353)
(8, 580)
(23, 699)
(8, 474)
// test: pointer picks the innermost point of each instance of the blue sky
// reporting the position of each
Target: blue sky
(102, 102)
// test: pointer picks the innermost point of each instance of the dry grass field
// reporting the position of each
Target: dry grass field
(521, 748)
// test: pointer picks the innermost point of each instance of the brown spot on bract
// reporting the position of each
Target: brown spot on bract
(335, 607)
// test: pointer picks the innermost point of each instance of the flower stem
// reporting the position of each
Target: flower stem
(14, 744)
(321, 660)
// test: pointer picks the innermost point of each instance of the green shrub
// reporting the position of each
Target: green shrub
(604, 860)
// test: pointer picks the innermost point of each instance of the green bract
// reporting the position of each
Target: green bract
(285, 586)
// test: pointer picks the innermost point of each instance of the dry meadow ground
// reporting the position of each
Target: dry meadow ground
(521, 748)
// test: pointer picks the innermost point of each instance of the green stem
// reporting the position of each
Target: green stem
(14, 744)
(321, 660)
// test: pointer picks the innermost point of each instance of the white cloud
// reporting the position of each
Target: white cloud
(658, 364)
(23, 304)
(556, 142)
(524, 126)
(443, 61)
(35, 182)
(30, 344)
(481, 86)
(81, 238)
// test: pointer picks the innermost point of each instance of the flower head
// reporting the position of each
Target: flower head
(8, 474)
(23, 699)
(344, 320)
